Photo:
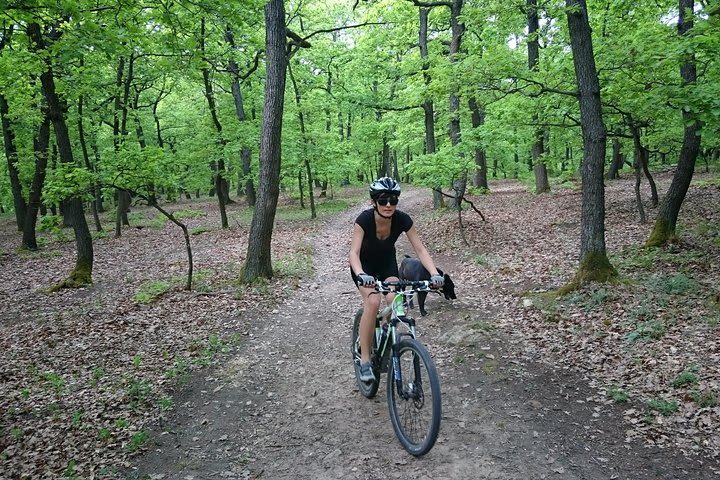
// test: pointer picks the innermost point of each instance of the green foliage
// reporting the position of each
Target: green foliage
(138, 391)
(650, 330)
(677, 284)
(166, 403)
(49, 223)
(618, 395)
(705, 399)
(55, 381)
(151, 290)
(662, 406)
(67, 181)
(688, 377)
(137, 440)
(298, 264)
(188, 213)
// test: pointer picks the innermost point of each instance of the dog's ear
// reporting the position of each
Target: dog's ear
(441, 272)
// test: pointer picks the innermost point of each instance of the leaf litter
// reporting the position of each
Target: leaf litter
(84, 372)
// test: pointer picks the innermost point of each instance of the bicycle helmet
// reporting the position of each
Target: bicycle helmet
(384, 185)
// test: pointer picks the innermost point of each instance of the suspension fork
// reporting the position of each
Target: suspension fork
(396, 357)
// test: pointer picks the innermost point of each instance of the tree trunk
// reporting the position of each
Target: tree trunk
(637, 166)
(250, 196)
(301, 188)
(258, 260)
(10, 148)
(40, 147)
(88, 164)
(428, 107)
(73, 207)
(542, 184)
(219, 180)
(12, 158)
(122, 93)
(666, 220)
(305, 141)
(458, 29)
(245, 151)
(617, 159)
(594, 263)
(640, 162)
(477, 117)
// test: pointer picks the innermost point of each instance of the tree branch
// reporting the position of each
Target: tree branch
(463, 199)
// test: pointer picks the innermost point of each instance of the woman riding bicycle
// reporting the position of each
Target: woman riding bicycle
(373, 256)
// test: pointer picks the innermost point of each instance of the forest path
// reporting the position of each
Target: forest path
(285, 405)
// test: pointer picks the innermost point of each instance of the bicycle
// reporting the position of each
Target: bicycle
(413, 385)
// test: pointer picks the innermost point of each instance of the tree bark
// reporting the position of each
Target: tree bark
(122, 92)
(245, 151)
(73, 207)
(258, 261)
(428, 107)
(458, 29)
(40, 147)
(542, 184)
(666, 220)
(10, 148)
(594, 263)
(480, 172)
(219, 180)
(12, 158)
(88, 164)
(617, 159)
(305, 141)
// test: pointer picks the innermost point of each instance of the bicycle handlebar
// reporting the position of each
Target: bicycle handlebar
(416, 285)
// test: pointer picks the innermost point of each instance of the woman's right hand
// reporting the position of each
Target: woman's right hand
(365, 280)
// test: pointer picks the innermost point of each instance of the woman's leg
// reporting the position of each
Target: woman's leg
(371, 304)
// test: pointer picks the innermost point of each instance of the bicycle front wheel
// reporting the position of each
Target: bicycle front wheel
(414, 401)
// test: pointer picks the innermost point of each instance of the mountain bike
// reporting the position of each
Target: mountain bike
(413, 386)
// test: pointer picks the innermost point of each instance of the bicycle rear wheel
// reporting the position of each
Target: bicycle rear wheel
(416, 410)
(367, 389)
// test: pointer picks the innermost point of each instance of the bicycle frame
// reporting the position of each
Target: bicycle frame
(413, 386)
(397, 310)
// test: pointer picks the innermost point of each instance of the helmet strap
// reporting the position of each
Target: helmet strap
(378, 212)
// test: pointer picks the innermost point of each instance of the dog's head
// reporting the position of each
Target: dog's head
(448, 287)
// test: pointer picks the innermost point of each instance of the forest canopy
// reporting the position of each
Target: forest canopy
(162, 99)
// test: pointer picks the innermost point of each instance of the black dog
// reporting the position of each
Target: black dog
(411, 269)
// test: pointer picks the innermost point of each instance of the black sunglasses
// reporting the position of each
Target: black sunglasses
(392, 200)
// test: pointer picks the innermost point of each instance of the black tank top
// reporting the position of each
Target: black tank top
(378, 256)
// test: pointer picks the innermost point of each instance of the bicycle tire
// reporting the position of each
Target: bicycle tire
(416, 420)
(367, 389)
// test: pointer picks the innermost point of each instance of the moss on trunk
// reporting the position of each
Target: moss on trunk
(594, 267)
(661, 234)
(81, 276)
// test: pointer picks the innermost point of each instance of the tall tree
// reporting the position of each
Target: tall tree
(245, 151)
(9, 143)
(40, 147)
(666, 220)
(219, 180)
(538, 147)
(73, 206)
(594, 263)
(258, 262)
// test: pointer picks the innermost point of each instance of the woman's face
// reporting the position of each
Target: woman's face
(386, 204)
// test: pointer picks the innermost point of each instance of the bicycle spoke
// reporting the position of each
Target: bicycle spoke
(415, 410)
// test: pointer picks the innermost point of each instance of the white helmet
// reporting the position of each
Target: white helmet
(384, 185)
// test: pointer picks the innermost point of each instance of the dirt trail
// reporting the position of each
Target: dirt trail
(285, 405)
